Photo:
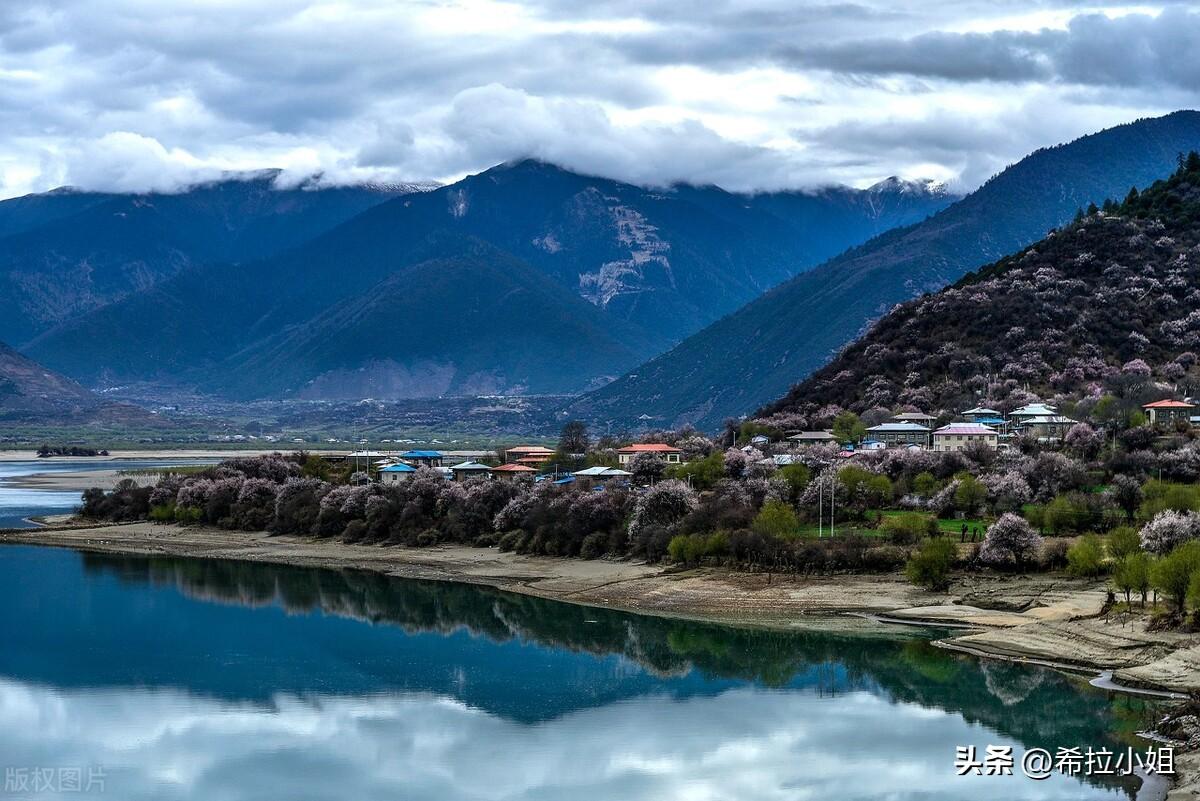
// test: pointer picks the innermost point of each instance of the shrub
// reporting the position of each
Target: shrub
(594, 545)
(970, 493)
(930, 566)
(925, 484)
(1132, 574)
(512, 541)
(776, 519)
(1172, 575)
(1086, 556)
(908, 528)
(1123, 542)
(703, 473)
(884, 558)
(1054, 554)
(1010, 540)
(164, 513)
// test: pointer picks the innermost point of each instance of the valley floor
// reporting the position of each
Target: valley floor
(1047, 619)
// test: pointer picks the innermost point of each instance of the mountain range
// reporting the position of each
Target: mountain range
(755, 354)
(577, 279)
(1107, 303)
(67, 252)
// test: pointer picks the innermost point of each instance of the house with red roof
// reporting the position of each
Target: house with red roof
(513, 471)
(665, 452)
(1168, 412)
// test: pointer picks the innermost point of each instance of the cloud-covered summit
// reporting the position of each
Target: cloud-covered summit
(748, 94)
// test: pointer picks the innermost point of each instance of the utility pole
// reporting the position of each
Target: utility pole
(832, 501)
(820, 509)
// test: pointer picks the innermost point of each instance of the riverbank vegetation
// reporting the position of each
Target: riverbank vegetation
(1130, 512)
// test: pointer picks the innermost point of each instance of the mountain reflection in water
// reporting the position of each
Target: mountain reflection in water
(192, 678)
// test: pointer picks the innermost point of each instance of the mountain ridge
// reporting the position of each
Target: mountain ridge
(656, 263)
(1105, 303)
(756, 353)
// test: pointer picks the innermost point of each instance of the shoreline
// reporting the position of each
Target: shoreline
(1044, 620)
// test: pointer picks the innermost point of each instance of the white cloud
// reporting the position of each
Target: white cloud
(747, 93)
(753, 745)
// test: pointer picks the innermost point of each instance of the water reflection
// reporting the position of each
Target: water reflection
(339, 684)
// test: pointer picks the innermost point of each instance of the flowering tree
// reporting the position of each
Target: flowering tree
(1084, 440)
(663, 505)
(647, 466)
(1010, 540)
(736, 463)
(1169, 529)
(1009, 491)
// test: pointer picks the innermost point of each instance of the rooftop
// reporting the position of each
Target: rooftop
(399, 468)
(910, 427)
(529, 449)
(421, 455)
(817, 435)
(470, 466)
(513, 468)
(1169, 404)
(983, 410)
(964, 428)
(903, 416)
(600, 470)
(1034, 410)
(648, 447)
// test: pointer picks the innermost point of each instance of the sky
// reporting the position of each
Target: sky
(751, 95)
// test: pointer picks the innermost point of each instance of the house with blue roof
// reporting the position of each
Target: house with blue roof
(423, 458)
(395, 473)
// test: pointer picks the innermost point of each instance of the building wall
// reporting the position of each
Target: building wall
(958, 442)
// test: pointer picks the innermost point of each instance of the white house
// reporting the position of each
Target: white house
(957, 436)
(665, 452)
(394, 474)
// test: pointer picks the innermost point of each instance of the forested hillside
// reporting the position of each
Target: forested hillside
(758, 352)
(1111, 302)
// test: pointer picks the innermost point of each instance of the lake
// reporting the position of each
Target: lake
(171, 678)
(19, 503)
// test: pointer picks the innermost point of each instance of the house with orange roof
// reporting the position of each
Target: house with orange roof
(513, 472)
(532, 455)
(1168, 412)
(665, 452)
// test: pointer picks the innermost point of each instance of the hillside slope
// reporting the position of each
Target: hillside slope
(31, 393)
(64, 253)
(655, 264)
(757, 353)
(1111, 297)
(473, 321)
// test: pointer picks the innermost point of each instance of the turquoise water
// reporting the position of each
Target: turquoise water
(215, 680)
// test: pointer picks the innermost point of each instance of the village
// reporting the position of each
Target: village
(978, 427)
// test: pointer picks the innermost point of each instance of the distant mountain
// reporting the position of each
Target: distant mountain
(31, 393)
(1111, 297)
(649, 266)
(473, 321)
(757, 353)
(64, 253)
